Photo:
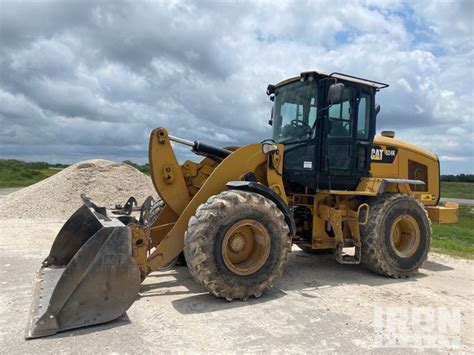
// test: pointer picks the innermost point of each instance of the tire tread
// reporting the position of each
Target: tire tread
(199, 244)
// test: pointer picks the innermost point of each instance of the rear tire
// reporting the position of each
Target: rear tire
(397, 237)
(237, 244)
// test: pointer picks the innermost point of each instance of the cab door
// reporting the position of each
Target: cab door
(297, 109)
(349, 132)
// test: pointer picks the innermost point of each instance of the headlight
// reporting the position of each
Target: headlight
(268, 148)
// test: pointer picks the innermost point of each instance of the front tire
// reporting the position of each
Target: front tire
(397, 237)
(237, 244)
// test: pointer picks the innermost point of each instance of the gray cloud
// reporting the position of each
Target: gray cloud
(91, 79)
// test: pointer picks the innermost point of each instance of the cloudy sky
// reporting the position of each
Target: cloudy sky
(82, 79)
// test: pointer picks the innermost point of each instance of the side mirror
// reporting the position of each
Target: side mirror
(335, 94)
(270, 89)
(377, 109)
(271, 92)
(270, 121)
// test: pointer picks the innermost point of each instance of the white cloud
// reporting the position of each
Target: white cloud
(93, 80)
(451, 21)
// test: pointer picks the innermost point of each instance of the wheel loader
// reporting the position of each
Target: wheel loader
(324, 182)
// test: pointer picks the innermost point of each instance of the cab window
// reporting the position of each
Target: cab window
(295, 111)
(340, 116)
(363, 117)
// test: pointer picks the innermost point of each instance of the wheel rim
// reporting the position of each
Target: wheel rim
(246, 247)
(405, 236)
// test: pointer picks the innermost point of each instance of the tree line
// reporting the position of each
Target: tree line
(458, 178)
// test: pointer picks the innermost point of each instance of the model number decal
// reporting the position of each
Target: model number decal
(383, 154)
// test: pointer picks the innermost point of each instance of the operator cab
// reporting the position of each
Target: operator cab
(327, 125)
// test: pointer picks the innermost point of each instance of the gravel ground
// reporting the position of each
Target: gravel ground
(318, 306)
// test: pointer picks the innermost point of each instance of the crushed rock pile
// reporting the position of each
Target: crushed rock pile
(58, 196)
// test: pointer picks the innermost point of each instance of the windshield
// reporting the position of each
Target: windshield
(294, 112)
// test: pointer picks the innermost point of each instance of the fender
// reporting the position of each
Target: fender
(247, 158)
(405, 182)
(265, 191)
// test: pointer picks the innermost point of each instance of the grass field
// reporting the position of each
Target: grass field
(456, 239)
(14, 173)
(22, 179)
(457, 189)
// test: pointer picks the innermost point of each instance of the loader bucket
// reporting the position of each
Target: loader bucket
(88, 278)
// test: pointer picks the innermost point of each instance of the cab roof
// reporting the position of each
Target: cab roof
(360, 81)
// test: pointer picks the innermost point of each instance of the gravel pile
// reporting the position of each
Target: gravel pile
(58, 196)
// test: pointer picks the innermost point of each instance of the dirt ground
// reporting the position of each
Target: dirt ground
(318, 306)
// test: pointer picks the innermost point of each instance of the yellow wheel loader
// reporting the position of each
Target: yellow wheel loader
(324, 182)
